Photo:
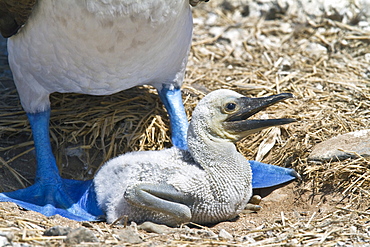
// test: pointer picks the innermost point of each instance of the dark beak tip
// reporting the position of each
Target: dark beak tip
(284, 121)
(292, 120)
(287, 95)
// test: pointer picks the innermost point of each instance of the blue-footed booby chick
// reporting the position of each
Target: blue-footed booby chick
(208, 183)
(95, 47)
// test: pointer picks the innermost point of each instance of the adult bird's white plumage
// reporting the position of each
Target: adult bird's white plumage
(209, 183)
(99, 47)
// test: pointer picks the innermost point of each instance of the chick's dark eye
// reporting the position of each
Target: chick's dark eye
(230, 106)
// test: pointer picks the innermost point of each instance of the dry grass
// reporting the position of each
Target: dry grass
(323, 62)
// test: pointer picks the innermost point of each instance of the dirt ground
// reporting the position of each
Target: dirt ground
(322, 58)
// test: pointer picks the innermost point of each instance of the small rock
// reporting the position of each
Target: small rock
(316, 49)
(57, 231)
(129, 235)
(216, 31)
(367, 57)
(7, 235)
(340, 243)
(80, 235)
(155, 228)
(4, 241)
(293, 242)
(223, 234)
(286, 65)
(353, 142)
(211, 19)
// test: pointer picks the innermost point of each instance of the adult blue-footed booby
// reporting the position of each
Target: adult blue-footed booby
(96, 47)
(208, 183)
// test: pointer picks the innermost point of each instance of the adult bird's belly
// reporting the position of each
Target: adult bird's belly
(99, 48)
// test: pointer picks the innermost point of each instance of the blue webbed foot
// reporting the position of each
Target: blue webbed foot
(70, 198)
(52, 194)
(171, 98)
(265, 175)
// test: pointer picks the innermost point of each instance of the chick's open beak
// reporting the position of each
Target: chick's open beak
(238, 122)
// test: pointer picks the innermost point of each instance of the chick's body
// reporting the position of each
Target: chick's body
(174, 167)
(212, 178)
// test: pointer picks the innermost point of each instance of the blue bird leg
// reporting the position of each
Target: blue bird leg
(52, 194)
(265, 175)
(171, 98)
(47, 171)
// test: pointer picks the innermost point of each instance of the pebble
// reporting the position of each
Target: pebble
(4, 241)
(80, 235)
(129, 235)
(57, 231)
(223, 234)
(315, 49)
(155, 228)
(8, 235)
(353, 142)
